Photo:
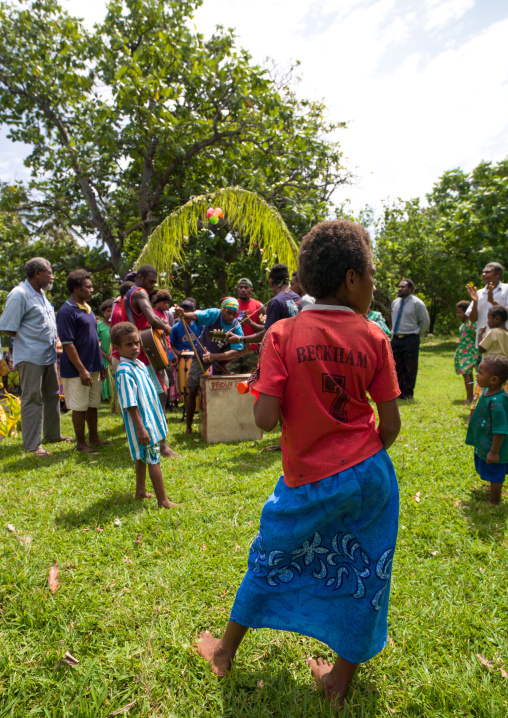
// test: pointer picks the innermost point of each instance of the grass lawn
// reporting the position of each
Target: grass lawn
(134, 595)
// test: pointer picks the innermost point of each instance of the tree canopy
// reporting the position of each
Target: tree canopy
(129, 121)
(446, 244)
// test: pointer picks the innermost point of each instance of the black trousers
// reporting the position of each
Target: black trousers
(405, 352)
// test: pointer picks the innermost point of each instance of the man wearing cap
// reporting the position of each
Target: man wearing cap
(248, 315)
(284, 304)
(212, 352)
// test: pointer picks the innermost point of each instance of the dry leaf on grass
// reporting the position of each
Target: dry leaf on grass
(11, 528)
(434, 553)
(117, 522)
(67, 660)
(125, 709)
(98, 528)
(416, 497)
(491, 665)
(138, 538)
(53, 578)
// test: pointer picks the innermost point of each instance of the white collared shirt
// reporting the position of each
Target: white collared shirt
(500, 295)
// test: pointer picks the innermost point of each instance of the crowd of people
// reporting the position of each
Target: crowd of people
(321, 562)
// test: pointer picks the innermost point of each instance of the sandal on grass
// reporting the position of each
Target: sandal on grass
(41, 452)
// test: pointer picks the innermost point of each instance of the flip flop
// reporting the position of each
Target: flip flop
(41, 452)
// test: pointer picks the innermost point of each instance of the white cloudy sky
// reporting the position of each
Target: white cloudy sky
(423, 84)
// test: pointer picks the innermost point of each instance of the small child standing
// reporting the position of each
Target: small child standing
(488, 425)
(466, 354)
(142, 412)
(321, 562)
(496, 341)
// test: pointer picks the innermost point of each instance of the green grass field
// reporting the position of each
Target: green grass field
(133, 596)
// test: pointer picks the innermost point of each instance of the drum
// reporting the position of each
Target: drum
(184, 364)
(155, 347)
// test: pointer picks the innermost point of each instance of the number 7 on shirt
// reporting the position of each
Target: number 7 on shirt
(334, 384)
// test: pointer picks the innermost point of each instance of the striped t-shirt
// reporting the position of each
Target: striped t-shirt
(135, 388)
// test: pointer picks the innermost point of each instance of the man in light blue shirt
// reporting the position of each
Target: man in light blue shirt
(410, 319)
(30, 318)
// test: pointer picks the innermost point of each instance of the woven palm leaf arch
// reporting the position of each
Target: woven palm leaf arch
(243, 211)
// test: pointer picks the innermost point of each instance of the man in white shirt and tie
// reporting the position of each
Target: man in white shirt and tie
(410, 319)
(480, 305)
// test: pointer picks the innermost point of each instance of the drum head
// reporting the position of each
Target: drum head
(159, 338)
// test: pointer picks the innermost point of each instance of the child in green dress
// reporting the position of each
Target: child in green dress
(466, 354)
(103, 330)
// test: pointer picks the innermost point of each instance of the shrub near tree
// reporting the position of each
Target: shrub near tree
(128, 121)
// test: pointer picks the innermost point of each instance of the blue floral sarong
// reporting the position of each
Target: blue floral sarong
(321, 562)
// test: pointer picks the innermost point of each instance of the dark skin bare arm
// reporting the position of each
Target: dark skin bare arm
(252, 339)
(188, 316)
(141, 304)
(267, 412)
(84, 374)
(73, 356)
(389, 422)
(473, 295)
(493, 455)
(254, 325)
(142, 433)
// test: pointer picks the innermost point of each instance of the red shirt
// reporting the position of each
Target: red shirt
(321, 363)
(252, 306)
(117, 316)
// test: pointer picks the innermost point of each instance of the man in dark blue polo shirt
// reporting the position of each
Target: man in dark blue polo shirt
(81, 366)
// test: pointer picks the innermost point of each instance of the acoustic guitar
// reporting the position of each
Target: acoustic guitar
(155, 347)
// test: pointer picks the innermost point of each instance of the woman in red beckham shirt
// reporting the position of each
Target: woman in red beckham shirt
(321, 562)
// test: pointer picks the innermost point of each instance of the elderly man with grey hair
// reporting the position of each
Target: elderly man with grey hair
(30, 318)
(480, 301)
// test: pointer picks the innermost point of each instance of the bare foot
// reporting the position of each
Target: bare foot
(321, 670)
(188, 430)
(168, 453)
(144, 495)
(86, 449)
(167, 504)
(210, 649)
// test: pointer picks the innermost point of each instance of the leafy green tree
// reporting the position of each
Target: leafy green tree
(445, 245)
(24, 234)
(130, 120)
(473, 215)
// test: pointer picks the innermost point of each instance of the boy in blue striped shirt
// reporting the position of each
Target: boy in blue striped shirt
(144, 418)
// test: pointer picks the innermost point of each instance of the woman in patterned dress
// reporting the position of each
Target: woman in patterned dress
(466, 355)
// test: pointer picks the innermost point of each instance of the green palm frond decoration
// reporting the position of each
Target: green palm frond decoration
(243, 211)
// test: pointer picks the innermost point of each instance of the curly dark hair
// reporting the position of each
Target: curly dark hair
(499, 311)
(106, 304)
(124, 288)
(162, 296)
(279, 273)
(122, 329)
(76, 278)
(144, 270)
(463, 304)
(497, 366)
(328, 251)
(409, 283)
